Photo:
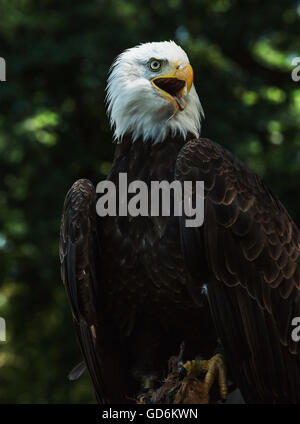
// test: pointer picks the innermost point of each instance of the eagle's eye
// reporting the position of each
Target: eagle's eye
(154, 65)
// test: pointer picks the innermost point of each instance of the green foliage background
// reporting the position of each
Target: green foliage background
(54, 130)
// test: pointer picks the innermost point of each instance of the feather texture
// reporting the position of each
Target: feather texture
(252, 248)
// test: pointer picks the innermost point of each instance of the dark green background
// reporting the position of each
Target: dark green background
(54, 130)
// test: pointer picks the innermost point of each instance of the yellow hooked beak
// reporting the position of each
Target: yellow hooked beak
(175, 85)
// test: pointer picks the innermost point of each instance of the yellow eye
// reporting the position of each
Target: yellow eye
(155, 65)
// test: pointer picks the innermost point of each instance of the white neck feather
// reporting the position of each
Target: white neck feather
(134, 107)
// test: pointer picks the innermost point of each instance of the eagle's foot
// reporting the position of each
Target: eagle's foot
(148, 394)
(146, 397)
(214, 368)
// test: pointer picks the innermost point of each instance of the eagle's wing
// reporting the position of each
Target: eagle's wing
(248, 253)
(80, 257)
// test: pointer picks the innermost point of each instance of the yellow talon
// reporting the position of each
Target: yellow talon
(214, 367)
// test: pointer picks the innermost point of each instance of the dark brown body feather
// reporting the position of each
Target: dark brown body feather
(136, 284)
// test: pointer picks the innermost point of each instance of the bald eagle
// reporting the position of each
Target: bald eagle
(140, 285)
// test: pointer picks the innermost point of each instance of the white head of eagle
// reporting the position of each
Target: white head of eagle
(150, 93)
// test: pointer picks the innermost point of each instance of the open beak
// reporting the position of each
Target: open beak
(175, 85)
